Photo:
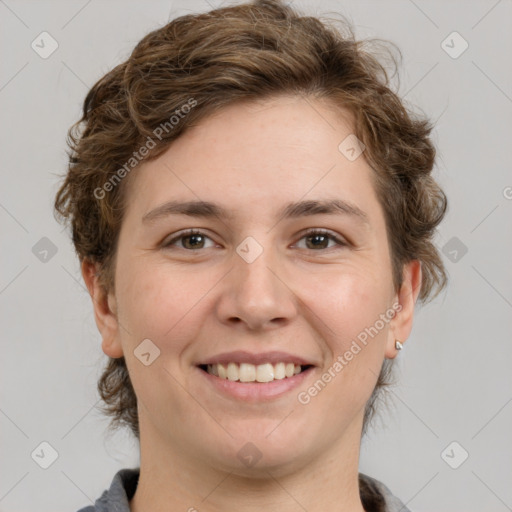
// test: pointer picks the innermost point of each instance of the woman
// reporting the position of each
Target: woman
(253, 208)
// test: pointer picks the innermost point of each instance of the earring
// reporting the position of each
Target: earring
(398, 345)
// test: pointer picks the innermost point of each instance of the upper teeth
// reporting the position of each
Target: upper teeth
(245, 372)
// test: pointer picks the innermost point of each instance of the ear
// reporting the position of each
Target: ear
(105, 311)
(405, 299)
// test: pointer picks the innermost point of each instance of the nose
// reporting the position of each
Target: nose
(257, 295)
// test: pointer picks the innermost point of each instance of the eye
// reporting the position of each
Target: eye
(320, 238)
(193, 240)
(190, 240)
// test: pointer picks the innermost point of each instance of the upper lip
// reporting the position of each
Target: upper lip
(241, 356)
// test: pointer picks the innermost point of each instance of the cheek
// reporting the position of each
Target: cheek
(349, 308)
(158, 302)
(347, 302)
(165, 305)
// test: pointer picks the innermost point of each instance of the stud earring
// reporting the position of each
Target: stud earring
(398, 345)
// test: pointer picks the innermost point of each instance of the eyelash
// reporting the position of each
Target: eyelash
(311, 232)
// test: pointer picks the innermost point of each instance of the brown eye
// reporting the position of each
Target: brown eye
(320, 239)
(193, 241)
(190, 240)
(316, 241)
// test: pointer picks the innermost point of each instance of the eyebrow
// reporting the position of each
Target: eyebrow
(206, 209)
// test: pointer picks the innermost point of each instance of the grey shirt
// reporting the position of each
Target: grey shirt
(124, 484)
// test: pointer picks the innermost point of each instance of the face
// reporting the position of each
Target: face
(288, 264)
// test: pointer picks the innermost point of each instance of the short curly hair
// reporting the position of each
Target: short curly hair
(245, 52)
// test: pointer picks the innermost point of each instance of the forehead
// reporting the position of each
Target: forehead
(254, 156)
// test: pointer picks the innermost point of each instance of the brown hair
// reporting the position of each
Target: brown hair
(244, 52)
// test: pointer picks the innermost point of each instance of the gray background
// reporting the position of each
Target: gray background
(454, 372)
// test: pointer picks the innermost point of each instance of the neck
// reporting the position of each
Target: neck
(172, 480)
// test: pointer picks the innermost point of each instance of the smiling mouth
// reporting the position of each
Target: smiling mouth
(250, 373)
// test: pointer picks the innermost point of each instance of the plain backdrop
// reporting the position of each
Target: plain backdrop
(455, 383)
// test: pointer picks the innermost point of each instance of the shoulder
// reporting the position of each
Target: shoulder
(117, 497)
(376, 497)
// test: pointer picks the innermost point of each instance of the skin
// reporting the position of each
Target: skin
(252, 158)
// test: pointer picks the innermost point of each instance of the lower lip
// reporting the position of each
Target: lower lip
(256, 391)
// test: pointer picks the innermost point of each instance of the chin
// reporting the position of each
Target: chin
(257, 456)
